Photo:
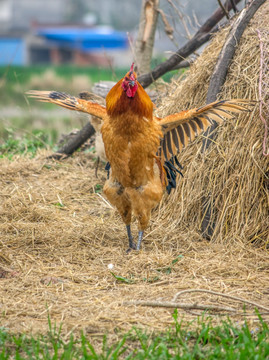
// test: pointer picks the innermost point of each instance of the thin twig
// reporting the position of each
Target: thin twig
(262, 62)
(234, 7)
(131, 46)
(104, 200)
(172, 304)
(182, 18)
(223, 9)
(167, 27)
(220, 294)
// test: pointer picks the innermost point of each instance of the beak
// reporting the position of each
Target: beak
(132, 83)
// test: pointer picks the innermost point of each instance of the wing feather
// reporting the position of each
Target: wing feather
(175, 139)
(69, 102)
(164, 147)
(194, 127)
(199, 123)
(181, 128)
(170, 145)
(180, 132)
(188, 131)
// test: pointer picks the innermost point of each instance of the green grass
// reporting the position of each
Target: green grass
(196, 340)
(14, 79)
(29, 143)
(19, 74)
(26, 128)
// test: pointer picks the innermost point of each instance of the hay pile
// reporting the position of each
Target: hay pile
(234, 170)
(57, 235)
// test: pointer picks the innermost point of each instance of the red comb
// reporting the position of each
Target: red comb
(132, 67)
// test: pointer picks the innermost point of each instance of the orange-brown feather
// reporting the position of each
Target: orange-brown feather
(181, 128)
(130, 135)
(69, 102)
(118, 103)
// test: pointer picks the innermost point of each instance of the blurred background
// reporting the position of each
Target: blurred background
(69, 45)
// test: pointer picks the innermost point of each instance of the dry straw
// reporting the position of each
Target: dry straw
(57, 236)
(234, 170)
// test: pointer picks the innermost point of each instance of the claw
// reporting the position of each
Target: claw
(131, 247)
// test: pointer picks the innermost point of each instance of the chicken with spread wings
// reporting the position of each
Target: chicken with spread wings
(141, 148)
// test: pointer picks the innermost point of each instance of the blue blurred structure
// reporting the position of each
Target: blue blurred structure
(62, 44)
(85, 39)
(12, 51)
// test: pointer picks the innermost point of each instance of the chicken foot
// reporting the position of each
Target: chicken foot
(132, 244)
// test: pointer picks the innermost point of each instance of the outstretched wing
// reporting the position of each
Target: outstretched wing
(181, 128)
(69, 102)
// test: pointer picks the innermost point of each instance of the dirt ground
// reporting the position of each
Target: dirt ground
(58, 235)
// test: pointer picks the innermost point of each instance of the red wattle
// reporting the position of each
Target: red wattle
(129, 92)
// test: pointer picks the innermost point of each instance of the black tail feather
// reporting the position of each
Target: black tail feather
(107, 169)
(171, 172)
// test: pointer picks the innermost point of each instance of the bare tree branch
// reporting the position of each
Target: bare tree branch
(174, 304)
(183, 64)
(197, 40)
(74, 143)
(182, 18)
(234, 7)
(167, 27)
(146, 34)
(224, 10)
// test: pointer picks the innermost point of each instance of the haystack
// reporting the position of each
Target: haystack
(233, 173)
(58, 234)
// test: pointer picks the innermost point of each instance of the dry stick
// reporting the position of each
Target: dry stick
(262, 61)
(234, 6)
(184, 64)
(204, 39)
(73, 144)
(201, 36)
(217, 80)
(187, 63)
(182, 18)
(220, 294)
(167, 27)
(172, 304)
(223, 8)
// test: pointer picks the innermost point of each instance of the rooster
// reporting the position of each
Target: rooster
(141, 148)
